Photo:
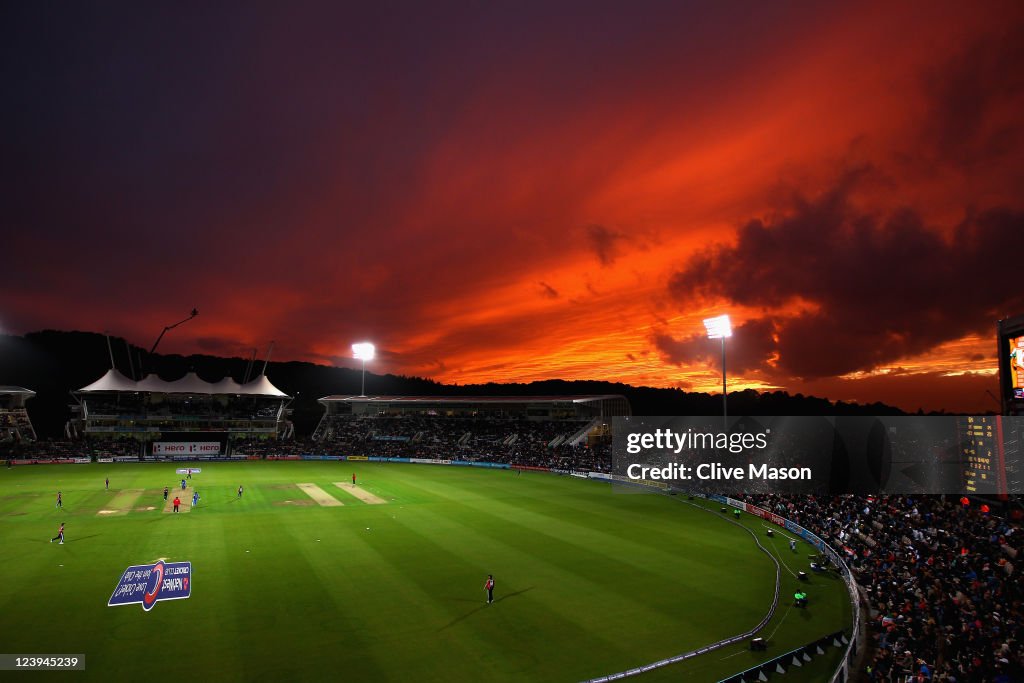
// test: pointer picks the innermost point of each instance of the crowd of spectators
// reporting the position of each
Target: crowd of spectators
(938, 578)
(15, 425)
(530, 448)
(112, 448)
(45, 449)
(533, 443)
(60, 449)
(515, 442)
(269, 447)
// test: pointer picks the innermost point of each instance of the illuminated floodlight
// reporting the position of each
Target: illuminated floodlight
(719, 327)
(363, 351)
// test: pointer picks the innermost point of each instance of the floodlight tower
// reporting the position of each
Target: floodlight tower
(720, 328)
(194, 313)
(363, 351)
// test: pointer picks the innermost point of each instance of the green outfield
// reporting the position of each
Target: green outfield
(385, 582)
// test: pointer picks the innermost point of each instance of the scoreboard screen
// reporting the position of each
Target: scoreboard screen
(981, 456)
(1016, 366)
(1010, 339)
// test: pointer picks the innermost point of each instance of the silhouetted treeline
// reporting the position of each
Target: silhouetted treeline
(54, 363)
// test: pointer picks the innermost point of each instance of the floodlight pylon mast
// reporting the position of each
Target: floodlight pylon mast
(194, 313)
(131, 361)
(364, 351)
(249, 366)
(167, 329)
(267, 361)
(720, 328)
(110, 349)
(725, 392)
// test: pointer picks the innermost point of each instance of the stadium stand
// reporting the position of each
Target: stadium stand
(116, 417)
(263, 448)
(15, 425)
(43, 449)
(518, 442)
(557, 432)
(119, 417)
(515, 442)
(945, 600)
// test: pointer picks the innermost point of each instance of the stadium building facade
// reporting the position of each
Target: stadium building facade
(15, 425)
(603, 406)
(144, 417)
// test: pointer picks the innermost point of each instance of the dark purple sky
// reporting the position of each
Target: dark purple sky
(516, 191)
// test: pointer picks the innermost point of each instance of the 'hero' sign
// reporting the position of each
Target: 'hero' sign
(186, 448)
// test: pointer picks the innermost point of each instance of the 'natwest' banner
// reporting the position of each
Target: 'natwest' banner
(148, 584)
(186, 448)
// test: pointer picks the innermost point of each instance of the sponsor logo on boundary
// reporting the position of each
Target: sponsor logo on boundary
(148, 584)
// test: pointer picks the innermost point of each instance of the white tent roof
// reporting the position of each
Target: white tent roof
(9, 390)
(189, 384)
(153, 384)
(112, 381)
(261, 386)
(228, 385)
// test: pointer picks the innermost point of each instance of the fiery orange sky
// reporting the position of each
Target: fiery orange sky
(509, 192)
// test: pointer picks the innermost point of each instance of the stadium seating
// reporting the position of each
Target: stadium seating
(15, 425)
(509, 441)
(945, 600)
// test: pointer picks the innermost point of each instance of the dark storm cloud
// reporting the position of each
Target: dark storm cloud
(972, 99)
(856, 289)
(604, 243)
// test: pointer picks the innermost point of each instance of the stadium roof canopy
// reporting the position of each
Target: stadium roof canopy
(9, 390)
(530, 407)
(470, 399)
(228, 385)
(114, 381)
